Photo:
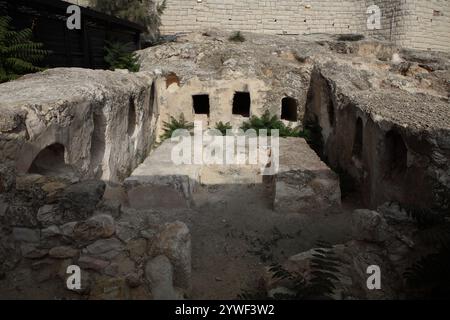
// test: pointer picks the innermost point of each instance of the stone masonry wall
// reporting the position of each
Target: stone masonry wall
(415, 24)
(432, 25)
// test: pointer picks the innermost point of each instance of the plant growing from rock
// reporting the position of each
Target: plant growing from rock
(175, 124)
(18, 53)
(223, 127)
(269, 122)
(320, 283)
(237, 37)
(119, 56)
(429, 277)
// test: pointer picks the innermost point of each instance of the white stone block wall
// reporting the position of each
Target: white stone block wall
(421, 24)
(431, 25)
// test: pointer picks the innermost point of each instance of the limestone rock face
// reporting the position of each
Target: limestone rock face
(269, 68)
(160, 183)
(384, 128)
(379, 114)
(76, 123)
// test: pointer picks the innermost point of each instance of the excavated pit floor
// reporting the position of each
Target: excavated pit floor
(236, 233)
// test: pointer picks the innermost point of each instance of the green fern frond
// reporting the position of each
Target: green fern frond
(175, 124)
(18, 53)
(119, 56)
(223, 127)
(271, 122)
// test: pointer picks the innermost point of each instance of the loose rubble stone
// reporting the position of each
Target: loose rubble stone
(49, 214)
(174, 242)
(68, 229)
(105, 248)
(133, 280)
(99, 226)
(160, 275)
(32, 252)
(125, 231)
(63, 252)
(20, 215)
(91, 263)
(26, 235)
(137, 249)
(79, 200)
(51, 231)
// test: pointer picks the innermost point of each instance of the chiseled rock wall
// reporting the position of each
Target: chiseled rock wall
(389, 132)
(102, 120)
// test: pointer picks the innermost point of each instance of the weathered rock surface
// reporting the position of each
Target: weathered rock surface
(105, 248)
(380, 112)
(91, 263)
(159, 273)
(174, 242)
(100, 123)
(386, 130)
(82, 196)
(99, 226)
(63, 252)
(160, 183)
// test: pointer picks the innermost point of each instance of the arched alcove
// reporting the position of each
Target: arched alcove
(51, 162)
(396, 153)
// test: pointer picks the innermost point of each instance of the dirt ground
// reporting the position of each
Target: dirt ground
(235, 235)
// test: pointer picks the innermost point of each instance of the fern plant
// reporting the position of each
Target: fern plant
(175, 124)
(237, 37)
(119, 56)
(325, 268)
(223, 127)
(429, 278)
(18, 53)
(269, 122)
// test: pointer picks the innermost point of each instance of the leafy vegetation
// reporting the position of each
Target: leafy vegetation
(223, 127)
(237, 37)
(18, 53)
(269, 122)
(325, 268)
(138, 11)
(175, 124)
(429, 277)
(119, 56)
(350, 37)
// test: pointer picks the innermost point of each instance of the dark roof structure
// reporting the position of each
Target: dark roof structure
(71, 48)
